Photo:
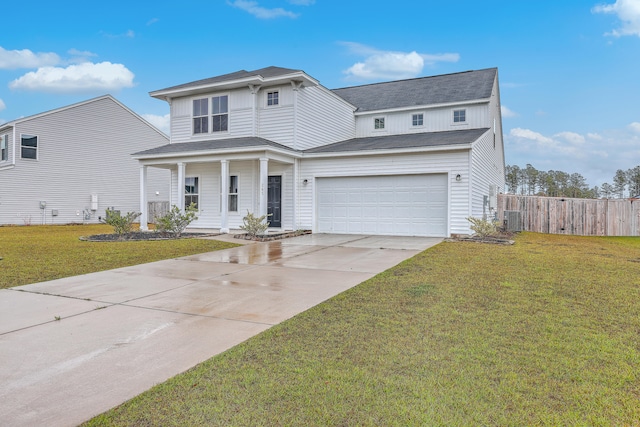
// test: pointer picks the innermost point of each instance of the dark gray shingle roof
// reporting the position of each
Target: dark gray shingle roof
(458, 87)
(242, 74)
(413, 140)
(212, 145)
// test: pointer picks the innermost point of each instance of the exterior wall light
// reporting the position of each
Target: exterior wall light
(458, 177)
(305, 182)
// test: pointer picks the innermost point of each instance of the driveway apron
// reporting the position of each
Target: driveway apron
(73, 348)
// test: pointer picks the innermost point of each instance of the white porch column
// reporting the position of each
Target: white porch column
(264, 172)
(224, 200)
(181, 172)
(144, 217)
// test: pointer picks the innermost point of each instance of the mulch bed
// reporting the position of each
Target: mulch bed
(270, 237)
(139, 235)
(503, 238)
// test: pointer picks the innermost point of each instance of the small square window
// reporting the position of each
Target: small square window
(459, 116)
(272, 98)
(417, 119)
(378, 123)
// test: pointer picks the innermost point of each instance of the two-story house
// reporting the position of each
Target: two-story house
(409, 157)
(70, 164)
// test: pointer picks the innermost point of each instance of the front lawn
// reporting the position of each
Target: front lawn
(37, 253)
(544, 332)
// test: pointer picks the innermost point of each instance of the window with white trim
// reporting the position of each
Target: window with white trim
(417, 119)
(220, 113)
(272, 98)
(3, 148)
(459, 116)
(201, 115)
(28, 147)
(233, 193)
(191, 191)
(378, 123)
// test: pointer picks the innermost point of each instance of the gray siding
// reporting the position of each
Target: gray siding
(83, 150)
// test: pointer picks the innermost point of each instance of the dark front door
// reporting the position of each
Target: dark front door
(274, 201)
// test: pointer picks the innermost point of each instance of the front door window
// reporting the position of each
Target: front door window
(274, 201)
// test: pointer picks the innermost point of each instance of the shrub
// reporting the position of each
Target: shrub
(482, 227)
(254, 225)
(121, 224)
(175, 221)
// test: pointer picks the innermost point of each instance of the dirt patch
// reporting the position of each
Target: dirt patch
(270, 237)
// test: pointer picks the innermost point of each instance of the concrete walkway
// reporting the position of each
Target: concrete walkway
(73, 348)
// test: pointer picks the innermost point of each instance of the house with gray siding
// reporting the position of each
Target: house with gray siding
(408, 157)
(70, 164)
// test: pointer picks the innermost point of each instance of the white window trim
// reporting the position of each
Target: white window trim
(199, 193)
(453, 113)
(384, 124)
(37, 147)
(218, 95)
(193, 116)
(237, 194)
(416, 114)
(5, 138)
(277, 104)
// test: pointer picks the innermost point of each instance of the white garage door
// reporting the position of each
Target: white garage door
(400, 205)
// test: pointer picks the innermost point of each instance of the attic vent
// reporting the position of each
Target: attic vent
(512, 221)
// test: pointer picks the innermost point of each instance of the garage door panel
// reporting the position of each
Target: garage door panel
(393, 205)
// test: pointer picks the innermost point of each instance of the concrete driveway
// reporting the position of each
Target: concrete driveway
(76, 347)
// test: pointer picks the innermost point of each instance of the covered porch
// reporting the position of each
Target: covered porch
(227, 182)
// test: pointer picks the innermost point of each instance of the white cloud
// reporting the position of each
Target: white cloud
(571, 137)
(530, 135)
(13, 59)
(85, 77)
(2, 105)
(628, 11)
(128, 34)
(152, 21)
(380, 64)
(506, 112)
(161, 122)
(596, 155)
(260, 12)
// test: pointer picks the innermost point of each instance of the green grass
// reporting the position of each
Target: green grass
(37, 253)
(545, 332)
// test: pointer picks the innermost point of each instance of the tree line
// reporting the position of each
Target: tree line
(530, 181)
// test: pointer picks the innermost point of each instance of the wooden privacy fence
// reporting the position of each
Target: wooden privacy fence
(561, 215)
(156, 210)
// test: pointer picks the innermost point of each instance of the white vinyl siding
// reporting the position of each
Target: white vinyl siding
(76, 161)
(435, 120)
(448, 162)
(323, 118)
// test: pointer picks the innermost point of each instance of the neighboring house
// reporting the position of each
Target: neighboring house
(70, 164)
(410, 157)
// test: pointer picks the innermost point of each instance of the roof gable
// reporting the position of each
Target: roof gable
(442, 89)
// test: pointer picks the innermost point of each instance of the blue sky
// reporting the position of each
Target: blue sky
(569, 70)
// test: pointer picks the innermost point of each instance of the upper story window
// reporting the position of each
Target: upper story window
(417, 119)
(201, 115)
(3, 148)
(191, 192)
(378, 123)
(220, 113)
(272, 98)
(459, 116)
(28, 146)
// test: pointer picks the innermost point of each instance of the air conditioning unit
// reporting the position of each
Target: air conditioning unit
(513, 221)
